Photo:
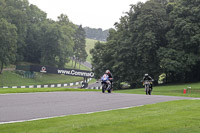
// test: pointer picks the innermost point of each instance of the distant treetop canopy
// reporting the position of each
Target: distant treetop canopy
(96, 34)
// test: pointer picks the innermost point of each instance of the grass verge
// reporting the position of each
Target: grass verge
(31, 90)
(168, 117)
(169, 90)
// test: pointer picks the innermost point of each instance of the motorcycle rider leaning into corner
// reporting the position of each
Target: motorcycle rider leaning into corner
(147, 77)
(110, 77)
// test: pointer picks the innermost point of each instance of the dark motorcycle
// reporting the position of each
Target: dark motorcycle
(147, 85)
(106, 84)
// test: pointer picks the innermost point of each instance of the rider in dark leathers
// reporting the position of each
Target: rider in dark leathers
(110, 77)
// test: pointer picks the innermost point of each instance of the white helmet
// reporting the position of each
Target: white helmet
(107, 71)
(146, 75)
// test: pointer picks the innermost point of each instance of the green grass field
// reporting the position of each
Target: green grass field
(89, 45)
(169, 90)
(167, 117)
(69, 66)
(10, 78)
(32, 90)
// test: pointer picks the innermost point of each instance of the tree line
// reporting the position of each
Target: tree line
(158, 37)
(28, 35)
(96, 34)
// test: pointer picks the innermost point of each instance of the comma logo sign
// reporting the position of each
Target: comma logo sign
(92, 74)
(76, 73)
(84, 74)
(43, 69)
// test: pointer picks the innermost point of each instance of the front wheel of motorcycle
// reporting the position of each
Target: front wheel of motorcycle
(150, 90)
(103, 88)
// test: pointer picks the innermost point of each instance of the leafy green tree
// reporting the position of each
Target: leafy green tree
(15, 12)
(80, 53)
(39, 40)
(143, 32)
(97, 34)
(33, 41)
(130, 51)
(149, 25)
(57, 43)
(2, 6)
(51, 44)
(68, 30)
(34, 34)
(8, 39)
(35, 15)
(98, 59)
(184, 40)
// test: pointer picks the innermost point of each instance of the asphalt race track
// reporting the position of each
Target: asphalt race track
(31, 106)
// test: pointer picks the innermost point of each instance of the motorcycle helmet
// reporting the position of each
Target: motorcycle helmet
(107, 71)
(146, 75)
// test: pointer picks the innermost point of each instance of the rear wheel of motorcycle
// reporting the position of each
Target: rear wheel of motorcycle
(146, 90)
(149, 91)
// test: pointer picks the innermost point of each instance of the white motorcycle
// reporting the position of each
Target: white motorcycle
(147, 85)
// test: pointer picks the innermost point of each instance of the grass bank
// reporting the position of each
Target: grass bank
(10, 78)
(90, 43)
(168, 117)
(32, 90)
(169, 90)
